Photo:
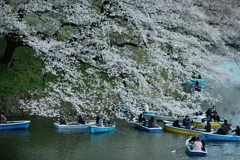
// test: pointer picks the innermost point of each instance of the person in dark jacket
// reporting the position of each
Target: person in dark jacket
(62, 120)
(151, 123)
(97, 119)
(81, 120)
(184, 120)
(237, 130)
(176, 123)
(141, 119)
(193, 139)
(208, 113)
(188, 123)
(208, 127)
(225, 128)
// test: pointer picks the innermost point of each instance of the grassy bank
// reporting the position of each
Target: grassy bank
(23, 75)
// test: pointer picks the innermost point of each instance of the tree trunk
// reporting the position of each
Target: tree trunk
(11, 46)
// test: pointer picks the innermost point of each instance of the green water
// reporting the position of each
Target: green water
(42, 142)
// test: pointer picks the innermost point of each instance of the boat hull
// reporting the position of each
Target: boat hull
(157, 129)
(194, 80)
(73, 126)
(218, 137)
(99, 129)
(182, 130)
(15, 125)
(170, 128)
(213, 124)
(194, 152)
(157, 117)
(148, 112)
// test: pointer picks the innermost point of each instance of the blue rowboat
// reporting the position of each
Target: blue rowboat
(148, 112)
(74, 125)
(194, 80)
(191, 152)
(156, 129)
(158, 117)
(100, 129)
(21, 124)
(218, 137)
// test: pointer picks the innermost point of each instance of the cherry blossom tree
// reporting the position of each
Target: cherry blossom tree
(133, 52)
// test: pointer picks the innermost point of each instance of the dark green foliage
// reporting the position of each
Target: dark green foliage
(24, 74)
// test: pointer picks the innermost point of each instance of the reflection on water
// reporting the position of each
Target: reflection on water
(43, 142)
(14, 133)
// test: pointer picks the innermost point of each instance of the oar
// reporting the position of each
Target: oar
(178, 149)
(117, 130)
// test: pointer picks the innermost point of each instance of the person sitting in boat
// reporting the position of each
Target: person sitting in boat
(225, 128)
(100, 121)
(203, 123)
(197, 145)
(213, 109)
(184, 120)
(188, 123)
(106, 122)
(81, 120)
(176, 123)
(199, 76)
(62, 120)
(198, 117)
(151, 122)
(208, 113)
(237, 130)
(214, 117)
(3, 118)
(97, 119)
(141, 119)
(208, 127)
(193, 139)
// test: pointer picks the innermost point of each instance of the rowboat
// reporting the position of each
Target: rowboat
(101, 129)
(158, 117)
(213, 124)
(194, 152)
(218, 137)
(194, 80)
(21, 124)
(156, 129)
(74, 125)
(182, 130)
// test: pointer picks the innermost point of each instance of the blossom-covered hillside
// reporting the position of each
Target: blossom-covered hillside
(132, 52)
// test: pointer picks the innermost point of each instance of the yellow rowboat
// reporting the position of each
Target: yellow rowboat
(182, 130)
(213, 124)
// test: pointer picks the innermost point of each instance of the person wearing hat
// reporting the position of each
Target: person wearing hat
(197, 145)
(3, 118)
(193, 139)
